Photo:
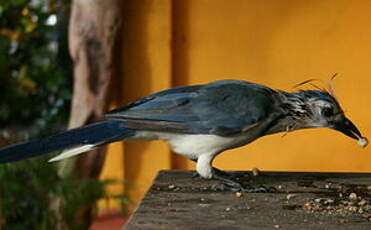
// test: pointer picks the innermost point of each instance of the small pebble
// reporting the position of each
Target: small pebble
(228, 209)
(255, 172)
(277, 226)
(343, 220)
(362, 202)
(290, 196)
(353, 196)
(171, 186)
(204, 205)
(329, 201)
(353, 209)
(239, 194)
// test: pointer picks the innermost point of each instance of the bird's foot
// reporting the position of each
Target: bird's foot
(215, 171)
(234, 184)
(195, 175)
(249, 188)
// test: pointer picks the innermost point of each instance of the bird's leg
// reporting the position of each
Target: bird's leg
(215, 170)
(195, 174)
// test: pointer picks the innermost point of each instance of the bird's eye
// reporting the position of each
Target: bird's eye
(327, 112)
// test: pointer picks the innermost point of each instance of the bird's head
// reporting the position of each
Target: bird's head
(325, 111)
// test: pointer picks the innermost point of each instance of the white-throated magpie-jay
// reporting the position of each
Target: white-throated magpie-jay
(200, 122)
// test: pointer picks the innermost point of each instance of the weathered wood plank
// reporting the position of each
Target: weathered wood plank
(178, 201)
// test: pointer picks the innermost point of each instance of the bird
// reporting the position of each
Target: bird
(200, 122)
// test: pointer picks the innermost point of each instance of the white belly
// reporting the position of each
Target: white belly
(194, 145)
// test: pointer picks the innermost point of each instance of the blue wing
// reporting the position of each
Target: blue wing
(221, 108)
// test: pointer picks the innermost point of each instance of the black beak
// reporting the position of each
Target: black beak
(348, 128)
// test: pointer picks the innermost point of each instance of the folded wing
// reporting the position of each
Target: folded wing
(222, 108)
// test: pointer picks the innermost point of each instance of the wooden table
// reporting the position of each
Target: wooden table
(178, 201)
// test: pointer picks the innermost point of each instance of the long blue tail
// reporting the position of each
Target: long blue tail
(95, 134)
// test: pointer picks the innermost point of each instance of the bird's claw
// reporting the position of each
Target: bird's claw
(257, 189)
(233, 184)
(195, 175)
(248, 188)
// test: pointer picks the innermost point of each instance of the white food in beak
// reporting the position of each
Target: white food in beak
(363, 142)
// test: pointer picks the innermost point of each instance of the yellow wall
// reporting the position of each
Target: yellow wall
(277, 43)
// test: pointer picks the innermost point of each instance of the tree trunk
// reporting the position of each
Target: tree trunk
(93, 32)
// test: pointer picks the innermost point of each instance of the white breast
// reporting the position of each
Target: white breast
(194, 145)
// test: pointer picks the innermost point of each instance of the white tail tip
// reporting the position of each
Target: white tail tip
(72, 152)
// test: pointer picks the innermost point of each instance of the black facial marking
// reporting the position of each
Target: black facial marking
(327, 112)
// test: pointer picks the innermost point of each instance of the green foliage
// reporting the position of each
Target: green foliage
(35, 70)
(29, 189)
(35, 92)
